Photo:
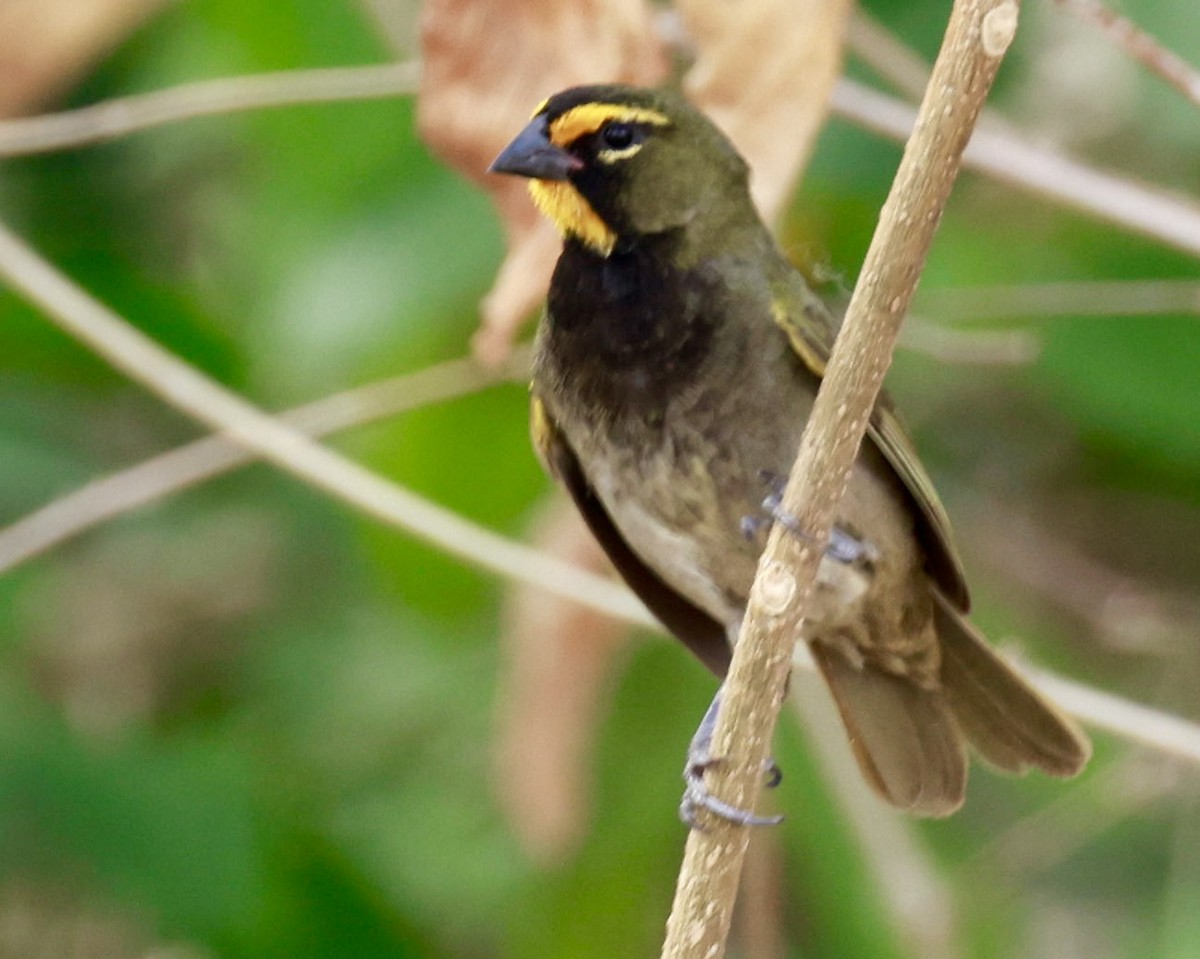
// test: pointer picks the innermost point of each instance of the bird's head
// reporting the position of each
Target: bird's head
(612, 163)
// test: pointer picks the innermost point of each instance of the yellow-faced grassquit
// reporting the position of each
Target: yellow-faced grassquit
(677, 362)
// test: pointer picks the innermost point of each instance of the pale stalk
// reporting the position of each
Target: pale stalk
(976, 39)
(187, 389)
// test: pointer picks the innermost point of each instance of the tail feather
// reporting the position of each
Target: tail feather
(910, 742)
(905, 738)
(1008, 723)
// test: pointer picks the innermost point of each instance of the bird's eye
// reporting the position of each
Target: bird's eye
(619, 136)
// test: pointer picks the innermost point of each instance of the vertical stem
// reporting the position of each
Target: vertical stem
(976, 39)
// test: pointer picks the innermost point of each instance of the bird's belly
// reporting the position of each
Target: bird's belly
(683, 524)
(677, 486)
(682, 516)
(682, 559)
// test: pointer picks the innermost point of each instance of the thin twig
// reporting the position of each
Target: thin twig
(190, 391)
(893, 60)
(125, 115)
(969, 347)
(1050, 834)
(1172, 218)
(999, 149)
(1144, 48)
(976, 39)
(1082, 298)
(110, 496)
(1122, 611)
(1133, 721)
(75, 311)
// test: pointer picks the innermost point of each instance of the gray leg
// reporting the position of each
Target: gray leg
(696, 795)
(847, 548)
(843, 546)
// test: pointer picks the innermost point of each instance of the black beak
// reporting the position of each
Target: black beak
(532, 154)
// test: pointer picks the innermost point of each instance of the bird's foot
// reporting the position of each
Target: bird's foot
(843, 546)
(696, 795)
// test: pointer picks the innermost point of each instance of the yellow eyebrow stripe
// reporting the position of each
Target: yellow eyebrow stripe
(589, 117)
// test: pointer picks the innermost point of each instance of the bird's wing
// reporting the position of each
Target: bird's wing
(702, 634)
(809, 328)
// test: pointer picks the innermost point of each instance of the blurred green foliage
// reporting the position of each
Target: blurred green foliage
(251, 721)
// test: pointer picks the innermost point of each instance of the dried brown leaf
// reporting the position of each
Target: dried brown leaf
(764, 71)
(557, 658)
(47, 45)
(486, 64)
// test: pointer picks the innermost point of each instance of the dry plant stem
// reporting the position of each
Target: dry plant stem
(1121, 611)
(1141, 46)
(997, 146)
(887, 55)
(110, 496)
(976, 39)
(190, 391)
(81, 316)
(969, 347)
(1169, 217)
(394, 22)
(1083, 298)
(115, 118)
(1042, 839)
(558, 660)
(1129, 720)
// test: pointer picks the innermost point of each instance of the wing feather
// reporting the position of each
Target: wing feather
(810, 330)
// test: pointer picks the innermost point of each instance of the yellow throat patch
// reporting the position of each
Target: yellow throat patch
(558, 199)
(572, 214)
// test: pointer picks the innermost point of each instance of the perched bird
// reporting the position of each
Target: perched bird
(676, 364)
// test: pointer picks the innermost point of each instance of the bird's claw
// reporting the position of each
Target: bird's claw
(843, 545)
(773, 511)
(696, 795)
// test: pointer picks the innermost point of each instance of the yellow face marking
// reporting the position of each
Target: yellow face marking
(558, 199)
(589, 117)
(572, 214)
(615, 156)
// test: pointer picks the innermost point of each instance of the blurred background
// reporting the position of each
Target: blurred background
(247, 721)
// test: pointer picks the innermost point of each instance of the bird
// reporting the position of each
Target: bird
(676, 362)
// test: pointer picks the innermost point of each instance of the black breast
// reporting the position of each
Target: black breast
(628, 331)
